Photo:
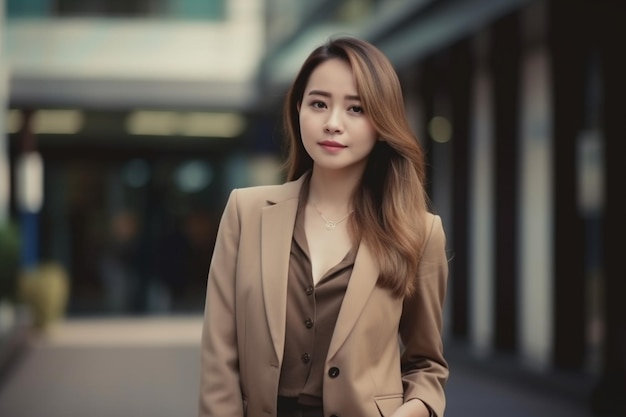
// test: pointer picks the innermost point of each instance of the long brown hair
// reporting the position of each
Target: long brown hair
(390, 202)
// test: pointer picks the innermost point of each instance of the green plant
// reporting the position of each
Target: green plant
(45, 289)
(9, 260)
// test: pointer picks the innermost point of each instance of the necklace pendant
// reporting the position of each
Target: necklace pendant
(330, 225)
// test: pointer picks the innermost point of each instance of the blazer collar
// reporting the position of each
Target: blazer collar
(277, 223)
(362, 282)
(287, 191)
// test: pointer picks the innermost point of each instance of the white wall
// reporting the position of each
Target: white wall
(135, 57)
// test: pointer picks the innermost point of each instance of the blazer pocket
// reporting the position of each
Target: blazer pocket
(387, 404)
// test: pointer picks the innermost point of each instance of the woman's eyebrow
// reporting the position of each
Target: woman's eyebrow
(327, 94)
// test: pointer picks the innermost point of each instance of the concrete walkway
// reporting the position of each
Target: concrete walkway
(148, 367)
(108, 367)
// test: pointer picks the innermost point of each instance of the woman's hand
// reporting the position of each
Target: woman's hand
(412, 408)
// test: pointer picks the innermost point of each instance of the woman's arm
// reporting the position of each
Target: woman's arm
(424, 368)
(220, 393)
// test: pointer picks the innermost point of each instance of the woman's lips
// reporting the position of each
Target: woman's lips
(332, 146)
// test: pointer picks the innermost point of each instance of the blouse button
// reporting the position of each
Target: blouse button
(333, 372)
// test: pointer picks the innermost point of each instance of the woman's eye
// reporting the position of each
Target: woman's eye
(356, 109)
(318, 104)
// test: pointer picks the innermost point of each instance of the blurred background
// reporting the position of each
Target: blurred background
(124, 124)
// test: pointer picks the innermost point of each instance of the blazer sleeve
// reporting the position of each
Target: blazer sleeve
(220, 392)
(424, 368)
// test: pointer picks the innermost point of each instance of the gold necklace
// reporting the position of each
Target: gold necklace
(330, 224)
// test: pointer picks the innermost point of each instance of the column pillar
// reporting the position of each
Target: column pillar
(609, 395)
(5, 177)
(505, 67)
(568, 63)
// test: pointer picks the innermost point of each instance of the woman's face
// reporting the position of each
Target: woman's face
(335, 131)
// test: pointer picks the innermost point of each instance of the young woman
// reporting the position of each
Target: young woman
(325, 293)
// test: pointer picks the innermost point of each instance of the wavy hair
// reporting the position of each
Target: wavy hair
(390, 202)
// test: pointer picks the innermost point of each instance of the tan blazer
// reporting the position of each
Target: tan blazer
(369, 373)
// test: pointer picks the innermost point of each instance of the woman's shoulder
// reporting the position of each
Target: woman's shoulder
(257, 190)
(432, 219)
(433, 222)
(267, 193)
(435, 230)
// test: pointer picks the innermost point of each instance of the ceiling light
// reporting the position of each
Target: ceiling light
(440, 129)
(196, 124)
(14, 121)
(47, 122)
(157, 123)
(225, 125)
(57, 122)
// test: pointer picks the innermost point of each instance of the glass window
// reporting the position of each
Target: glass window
(28, 8)
(175, 9)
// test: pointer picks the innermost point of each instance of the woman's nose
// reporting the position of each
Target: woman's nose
(333, 123)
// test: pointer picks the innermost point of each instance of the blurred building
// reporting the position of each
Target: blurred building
(140, 110)
(157, 108)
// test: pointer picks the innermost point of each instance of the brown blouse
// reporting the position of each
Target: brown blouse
(312, 311)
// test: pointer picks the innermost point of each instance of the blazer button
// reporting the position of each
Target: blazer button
(308, 323)
(333, 372)
(309, 290)
(306, 358)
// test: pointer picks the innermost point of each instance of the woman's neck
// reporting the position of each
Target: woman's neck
(332, 190)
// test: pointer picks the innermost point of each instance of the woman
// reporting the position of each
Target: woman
(325, 293)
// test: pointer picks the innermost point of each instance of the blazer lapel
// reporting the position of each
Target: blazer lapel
(277, 223)
(362, 283)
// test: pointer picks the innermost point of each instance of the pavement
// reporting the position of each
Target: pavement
(498, 387)
(148, 367)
